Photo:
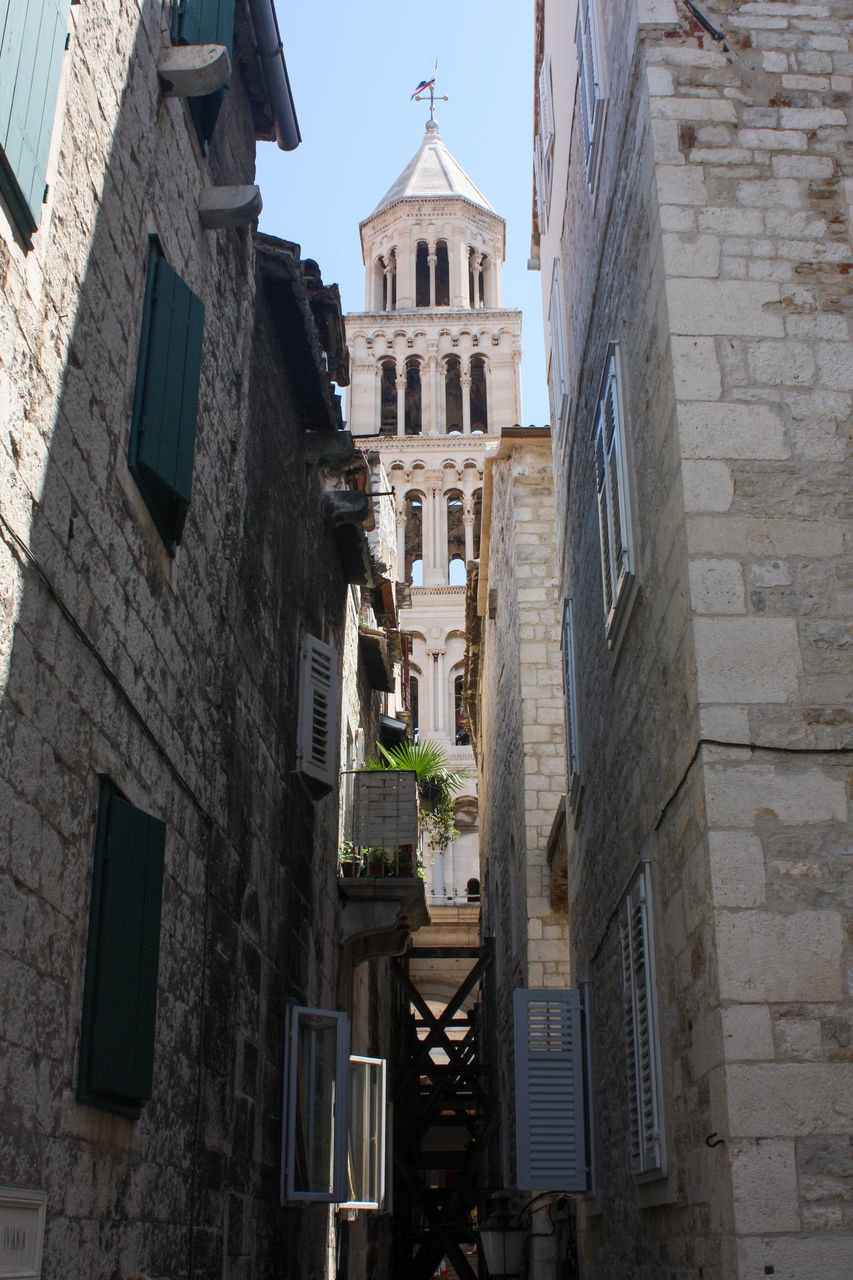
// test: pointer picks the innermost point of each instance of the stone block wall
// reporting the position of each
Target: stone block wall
(714, 246)
(522, 763)
(174, 677)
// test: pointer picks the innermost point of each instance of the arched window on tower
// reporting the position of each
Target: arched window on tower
(414, 540)
(388, 399)
(413, 396)
(476, 295)
(453, 395)
(442, 275)
(455, 539)
(477, 505)
(479, 409)
(414, 706)
(379, 285)
(422, 274)
(459, 720)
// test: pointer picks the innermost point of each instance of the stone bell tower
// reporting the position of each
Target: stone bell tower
(435, 376)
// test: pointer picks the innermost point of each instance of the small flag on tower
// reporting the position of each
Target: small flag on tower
(424, 84)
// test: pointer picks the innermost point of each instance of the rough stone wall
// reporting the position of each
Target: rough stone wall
(174, 677)
(714, 735)
(750, 148)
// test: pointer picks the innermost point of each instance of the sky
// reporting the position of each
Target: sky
(353, 65)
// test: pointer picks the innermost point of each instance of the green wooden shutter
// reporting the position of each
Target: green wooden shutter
(162, 445)
(121, 999)
(32, 42)
(205, 22)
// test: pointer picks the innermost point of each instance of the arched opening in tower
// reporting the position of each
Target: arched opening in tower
(414, 708)
(453, 395)
(413, 397)
(388, 399)
(442, 275)
(479, 410)
(477, 504)
(414, 540)
(476, 279)
(379, 285)
(422, 275)
(455, 540)
(462, 738)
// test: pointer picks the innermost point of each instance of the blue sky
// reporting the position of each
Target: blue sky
(352, 70)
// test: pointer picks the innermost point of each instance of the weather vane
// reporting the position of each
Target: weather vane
(428, 86)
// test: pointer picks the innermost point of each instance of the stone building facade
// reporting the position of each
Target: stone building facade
(693, 231)
(515, 708)
(171, 551)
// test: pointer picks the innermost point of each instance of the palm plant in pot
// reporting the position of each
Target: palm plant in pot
(437, 785)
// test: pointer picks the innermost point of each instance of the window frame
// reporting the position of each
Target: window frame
(570, 697)
(337, 1107)
(591, 93)
(376, 1139)
(646, 1130)
(612, 495)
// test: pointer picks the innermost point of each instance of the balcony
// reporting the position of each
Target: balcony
(384, 897)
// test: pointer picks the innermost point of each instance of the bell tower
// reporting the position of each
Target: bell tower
(435, 376)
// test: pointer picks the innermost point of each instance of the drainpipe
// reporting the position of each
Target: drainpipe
(274, 69)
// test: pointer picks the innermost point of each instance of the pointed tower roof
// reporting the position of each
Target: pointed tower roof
(432, 171)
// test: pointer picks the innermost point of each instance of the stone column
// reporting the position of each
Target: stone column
(401, 541)
(476, 264)
(431, 261)
(377, 396)
(428, 390)
(400, 384)
(468, 521)
(465, 379)
(442, 694)
(440, 399)
(389, 283)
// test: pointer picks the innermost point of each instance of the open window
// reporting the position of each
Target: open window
(614, 513)
(315, 1106)
(334, 1134)
(642, 1038)
(366, 1143)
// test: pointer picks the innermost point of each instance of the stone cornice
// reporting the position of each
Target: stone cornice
(417, 444)
(414, 315)
(419, 592)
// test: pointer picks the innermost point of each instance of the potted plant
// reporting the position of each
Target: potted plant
(437, 785)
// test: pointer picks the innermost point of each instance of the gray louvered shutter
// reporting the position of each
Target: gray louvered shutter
(570, 693)
(318, 711)
(641, 1031)
(549, 1097)
(604, 519)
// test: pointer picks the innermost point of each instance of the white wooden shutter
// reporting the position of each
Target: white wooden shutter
(559, 353)
(316, 1103)
(318, 711)
(538, 188)
(546, 109)
(590, 93)
(613, 516)
(549, 1096)
(641, 1039)
(570, 694)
